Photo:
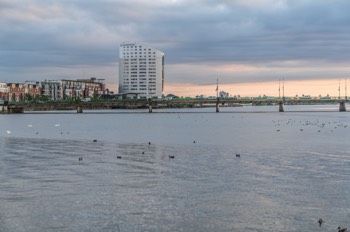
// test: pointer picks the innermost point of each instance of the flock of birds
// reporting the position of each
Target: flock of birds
(277, 123)
(149, 143)
(238, 155)
(80, 159)
(321, 222)
(305, 124)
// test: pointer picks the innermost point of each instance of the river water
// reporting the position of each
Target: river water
(294, 168)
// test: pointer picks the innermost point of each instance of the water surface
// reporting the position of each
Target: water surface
(294, 168)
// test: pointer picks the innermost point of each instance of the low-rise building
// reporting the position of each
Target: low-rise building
(82, 88)
(223, 94)
(16, 91)
(52, 90)
(4, 91)
(32, 90)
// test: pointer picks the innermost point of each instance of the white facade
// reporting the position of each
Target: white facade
(141, 70)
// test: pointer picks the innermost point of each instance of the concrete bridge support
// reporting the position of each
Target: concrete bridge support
(280, 107)
(150, 106)
(15, 110)
(217, 106)
(79, 109)
(342, 107)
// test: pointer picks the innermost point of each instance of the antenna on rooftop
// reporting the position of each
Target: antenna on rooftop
(339, 89)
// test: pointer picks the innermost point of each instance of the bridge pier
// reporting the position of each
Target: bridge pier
(342, 107)
(280, 107)
(79, 109)
(217, 106)
(150, 106)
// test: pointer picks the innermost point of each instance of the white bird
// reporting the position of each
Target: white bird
(8, 132)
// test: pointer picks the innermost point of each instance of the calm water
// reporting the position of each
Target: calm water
(294, 168)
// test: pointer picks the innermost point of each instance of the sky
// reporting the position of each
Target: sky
(247, 44)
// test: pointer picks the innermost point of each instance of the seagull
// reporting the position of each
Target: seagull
(8, 132)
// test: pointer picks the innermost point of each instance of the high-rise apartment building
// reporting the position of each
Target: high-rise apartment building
(141, 70)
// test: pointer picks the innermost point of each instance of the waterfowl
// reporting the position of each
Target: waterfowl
(238, 155)
(342, 230)
(171, 156)
(320, 221)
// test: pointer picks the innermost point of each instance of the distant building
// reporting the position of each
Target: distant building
(32, 90)
(16, 91)
(141, 70)
(82, 88)
(4, 91)
(52, 90)
(223, 94)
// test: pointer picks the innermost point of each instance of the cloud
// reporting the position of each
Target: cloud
(239, 40)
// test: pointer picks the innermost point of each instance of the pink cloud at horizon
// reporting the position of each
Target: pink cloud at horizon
(291, 88)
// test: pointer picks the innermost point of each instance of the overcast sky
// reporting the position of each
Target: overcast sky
(237, 41)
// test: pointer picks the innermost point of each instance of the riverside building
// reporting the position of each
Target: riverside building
(52, 90)
(82, 88)
(4, 91)
(141, 70)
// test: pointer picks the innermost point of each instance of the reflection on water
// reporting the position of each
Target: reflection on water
(294, 168)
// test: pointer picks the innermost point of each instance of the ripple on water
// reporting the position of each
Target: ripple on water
(271, 187)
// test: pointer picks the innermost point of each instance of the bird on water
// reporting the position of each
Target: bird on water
(238, 155)
(320, 221)
(171, 156)
(342, 230)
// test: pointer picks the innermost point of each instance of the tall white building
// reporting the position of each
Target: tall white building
(141, 70)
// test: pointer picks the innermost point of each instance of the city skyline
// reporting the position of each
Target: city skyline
(249, 45)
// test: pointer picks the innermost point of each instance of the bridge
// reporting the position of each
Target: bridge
(151, 104)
